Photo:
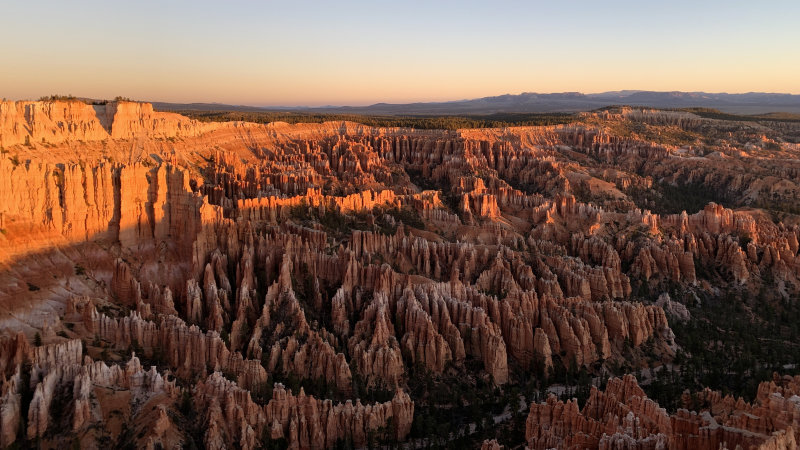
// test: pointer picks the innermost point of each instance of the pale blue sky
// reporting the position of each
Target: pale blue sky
(361, 52)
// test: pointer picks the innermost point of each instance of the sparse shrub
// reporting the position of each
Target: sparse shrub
(57, 97)
(432, 122)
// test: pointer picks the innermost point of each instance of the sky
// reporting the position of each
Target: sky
(303, 53)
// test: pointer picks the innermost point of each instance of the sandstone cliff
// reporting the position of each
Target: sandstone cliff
(54, 122)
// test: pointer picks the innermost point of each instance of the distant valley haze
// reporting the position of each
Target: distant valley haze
(744, 103)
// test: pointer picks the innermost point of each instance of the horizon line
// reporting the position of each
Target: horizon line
(407, 102)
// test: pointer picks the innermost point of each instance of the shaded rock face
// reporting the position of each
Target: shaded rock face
(62, 379)
(623, 417)
(296, 282)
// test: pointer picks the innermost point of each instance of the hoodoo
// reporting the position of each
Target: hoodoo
(167, 282)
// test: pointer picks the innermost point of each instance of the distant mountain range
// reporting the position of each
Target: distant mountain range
(748, 103)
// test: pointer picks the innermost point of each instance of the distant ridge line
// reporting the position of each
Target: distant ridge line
(530, 102)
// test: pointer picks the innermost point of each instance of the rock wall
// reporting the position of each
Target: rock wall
(55, 122)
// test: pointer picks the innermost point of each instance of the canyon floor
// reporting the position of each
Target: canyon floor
(627, 280)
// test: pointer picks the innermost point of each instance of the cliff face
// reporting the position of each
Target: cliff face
(128, 203)
(55, 122)
(312, 282)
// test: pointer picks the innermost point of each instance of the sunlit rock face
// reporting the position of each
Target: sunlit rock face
(167, 282)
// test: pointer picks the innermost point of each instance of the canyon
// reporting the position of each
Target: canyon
(171, 283)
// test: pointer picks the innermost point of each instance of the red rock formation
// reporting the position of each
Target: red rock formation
(374, 347)
(10, 409)
(13, 351)
(54, 122)
(60, 370)
(491, 445)
(623, 417)
(331, 250)
(305, 422)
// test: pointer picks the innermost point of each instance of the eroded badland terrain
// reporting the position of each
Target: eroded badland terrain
(627, 280)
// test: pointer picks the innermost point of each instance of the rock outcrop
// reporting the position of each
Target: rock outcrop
(623, 417)
(232, 417)
(54, 122)
(351, 262)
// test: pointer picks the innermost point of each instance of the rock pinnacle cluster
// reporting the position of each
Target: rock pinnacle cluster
(169, 283)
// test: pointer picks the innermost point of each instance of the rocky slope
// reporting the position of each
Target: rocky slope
(307, 285)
